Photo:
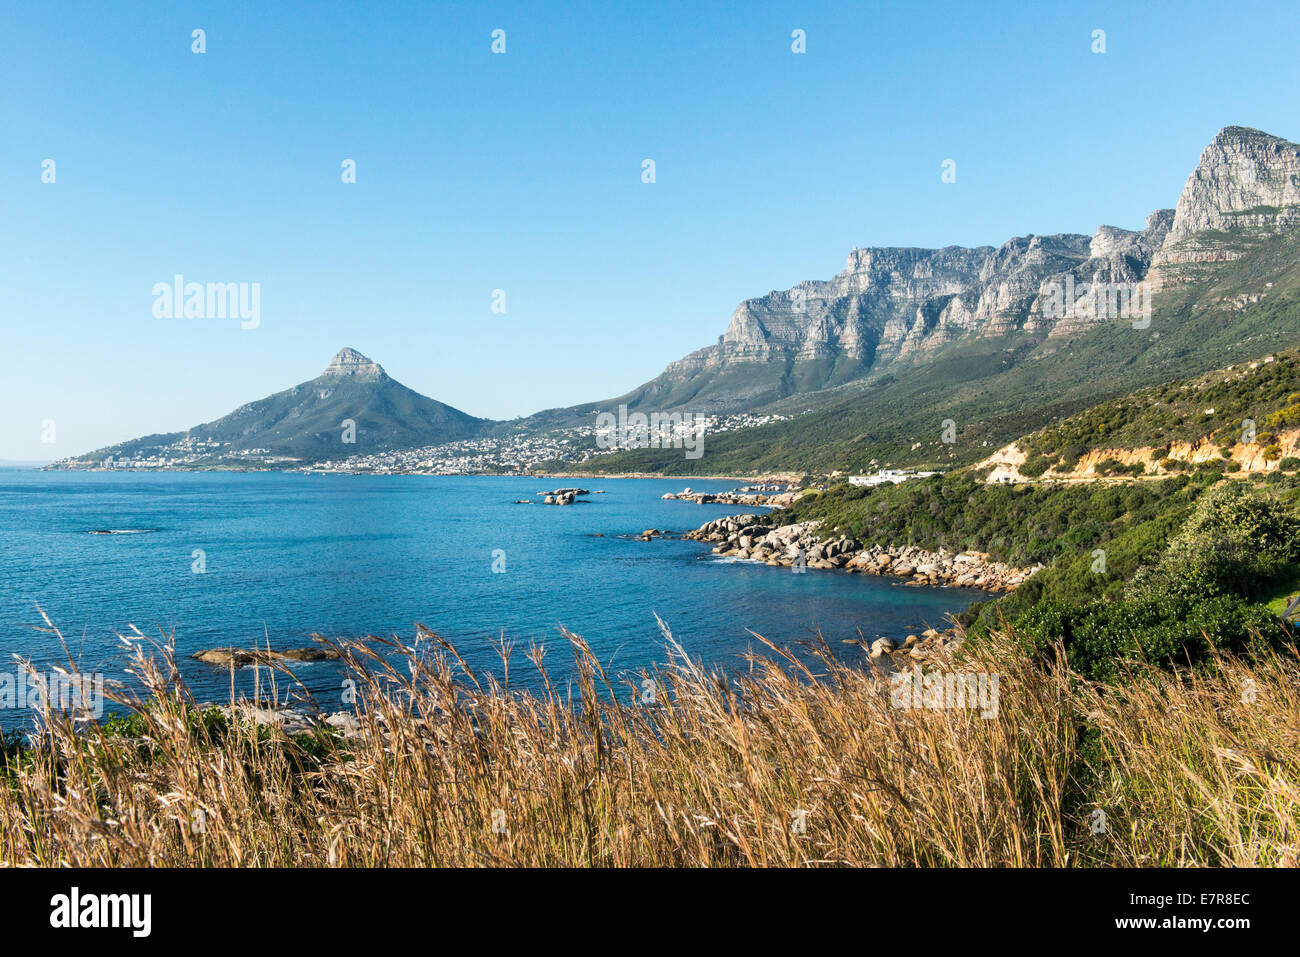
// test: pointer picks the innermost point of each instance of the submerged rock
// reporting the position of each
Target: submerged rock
(240, 657)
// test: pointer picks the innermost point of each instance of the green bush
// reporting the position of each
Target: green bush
(1235, 542)
(1036, 465)
(1099, 636)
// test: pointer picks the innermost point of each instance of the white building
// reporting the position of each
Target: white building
(893, 476)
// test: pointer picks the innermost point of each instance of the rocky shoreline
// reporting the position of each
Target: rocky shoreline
(740, 536)
(743, 496)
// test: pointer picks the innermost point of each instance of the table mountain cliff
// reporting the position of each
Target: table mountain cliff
(894, 307)
(872, 361)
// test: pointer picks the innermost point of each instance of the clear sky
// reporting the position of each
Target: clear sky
(522, 171)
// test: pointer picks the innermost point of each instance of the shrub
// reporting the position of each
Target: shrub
(1234, 543)
(1288, 416)
(1036, 465)
(1071, 455)
(1100, 636)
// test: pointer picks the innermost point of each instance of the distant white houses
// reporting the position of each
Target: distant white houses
(893, 476)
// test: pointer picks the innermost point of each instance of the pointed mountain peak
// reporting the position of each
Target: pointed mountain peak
(349, 362)
(1246, 179)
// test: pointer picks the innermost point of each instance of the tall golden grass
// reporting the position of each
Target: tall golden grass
(787, 764)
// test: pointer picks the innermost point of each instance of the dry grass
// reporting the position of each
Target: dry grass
(453, 769)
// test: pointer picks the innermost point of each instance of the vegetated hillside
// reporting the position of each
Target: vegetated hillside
(1018, 524)
(1157, 570)
(997, 389)
(308, 423)
(1161, 569)
(1234, 414)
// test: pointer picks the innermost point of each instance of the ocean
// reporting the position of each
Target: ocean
(219, 559)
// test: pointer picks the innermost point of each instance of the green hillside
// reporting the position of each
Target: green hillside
(1159, 569)
(1219, 405)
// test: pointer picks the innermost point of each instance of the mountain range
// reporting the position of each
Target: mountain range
(865, 366)
(894, 307)
(873, 361)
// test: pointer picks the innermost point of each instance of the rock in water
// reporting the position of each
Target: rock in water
(240, 657)
(882, 646)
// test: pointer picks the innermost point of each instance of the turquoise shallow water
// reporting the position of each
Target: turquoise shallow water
(290, 555)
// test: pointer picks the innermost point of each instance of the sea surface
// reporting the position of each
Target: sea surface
(286, 556)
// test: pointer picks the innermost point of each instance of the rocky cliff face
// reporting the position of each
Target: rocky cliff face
(1246, 187)
(894, 305)
(1245, 180)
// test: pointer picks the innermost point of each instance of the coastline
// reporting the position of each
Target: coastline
(785, 477)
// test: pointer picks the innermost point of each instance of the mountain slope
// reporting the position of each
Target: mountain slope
(1241, 418)
(893, 307)
(875, 365)
(1224, 270)
(308, 423)
(996, 389)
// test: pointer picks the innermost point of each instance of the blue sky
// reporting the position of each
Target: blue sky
(522, 172)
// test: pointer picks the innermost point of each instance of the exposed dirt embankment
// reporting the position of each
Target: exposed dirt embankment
(1007, 461)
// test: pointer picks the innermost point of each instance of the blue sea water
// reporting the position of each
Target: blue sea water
(290, 555)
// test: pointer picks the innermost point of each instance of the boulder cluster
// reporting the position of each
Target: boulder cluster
(929, 645)
(741, 536)
(737, 497)
(292, 721)
(563, 496)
